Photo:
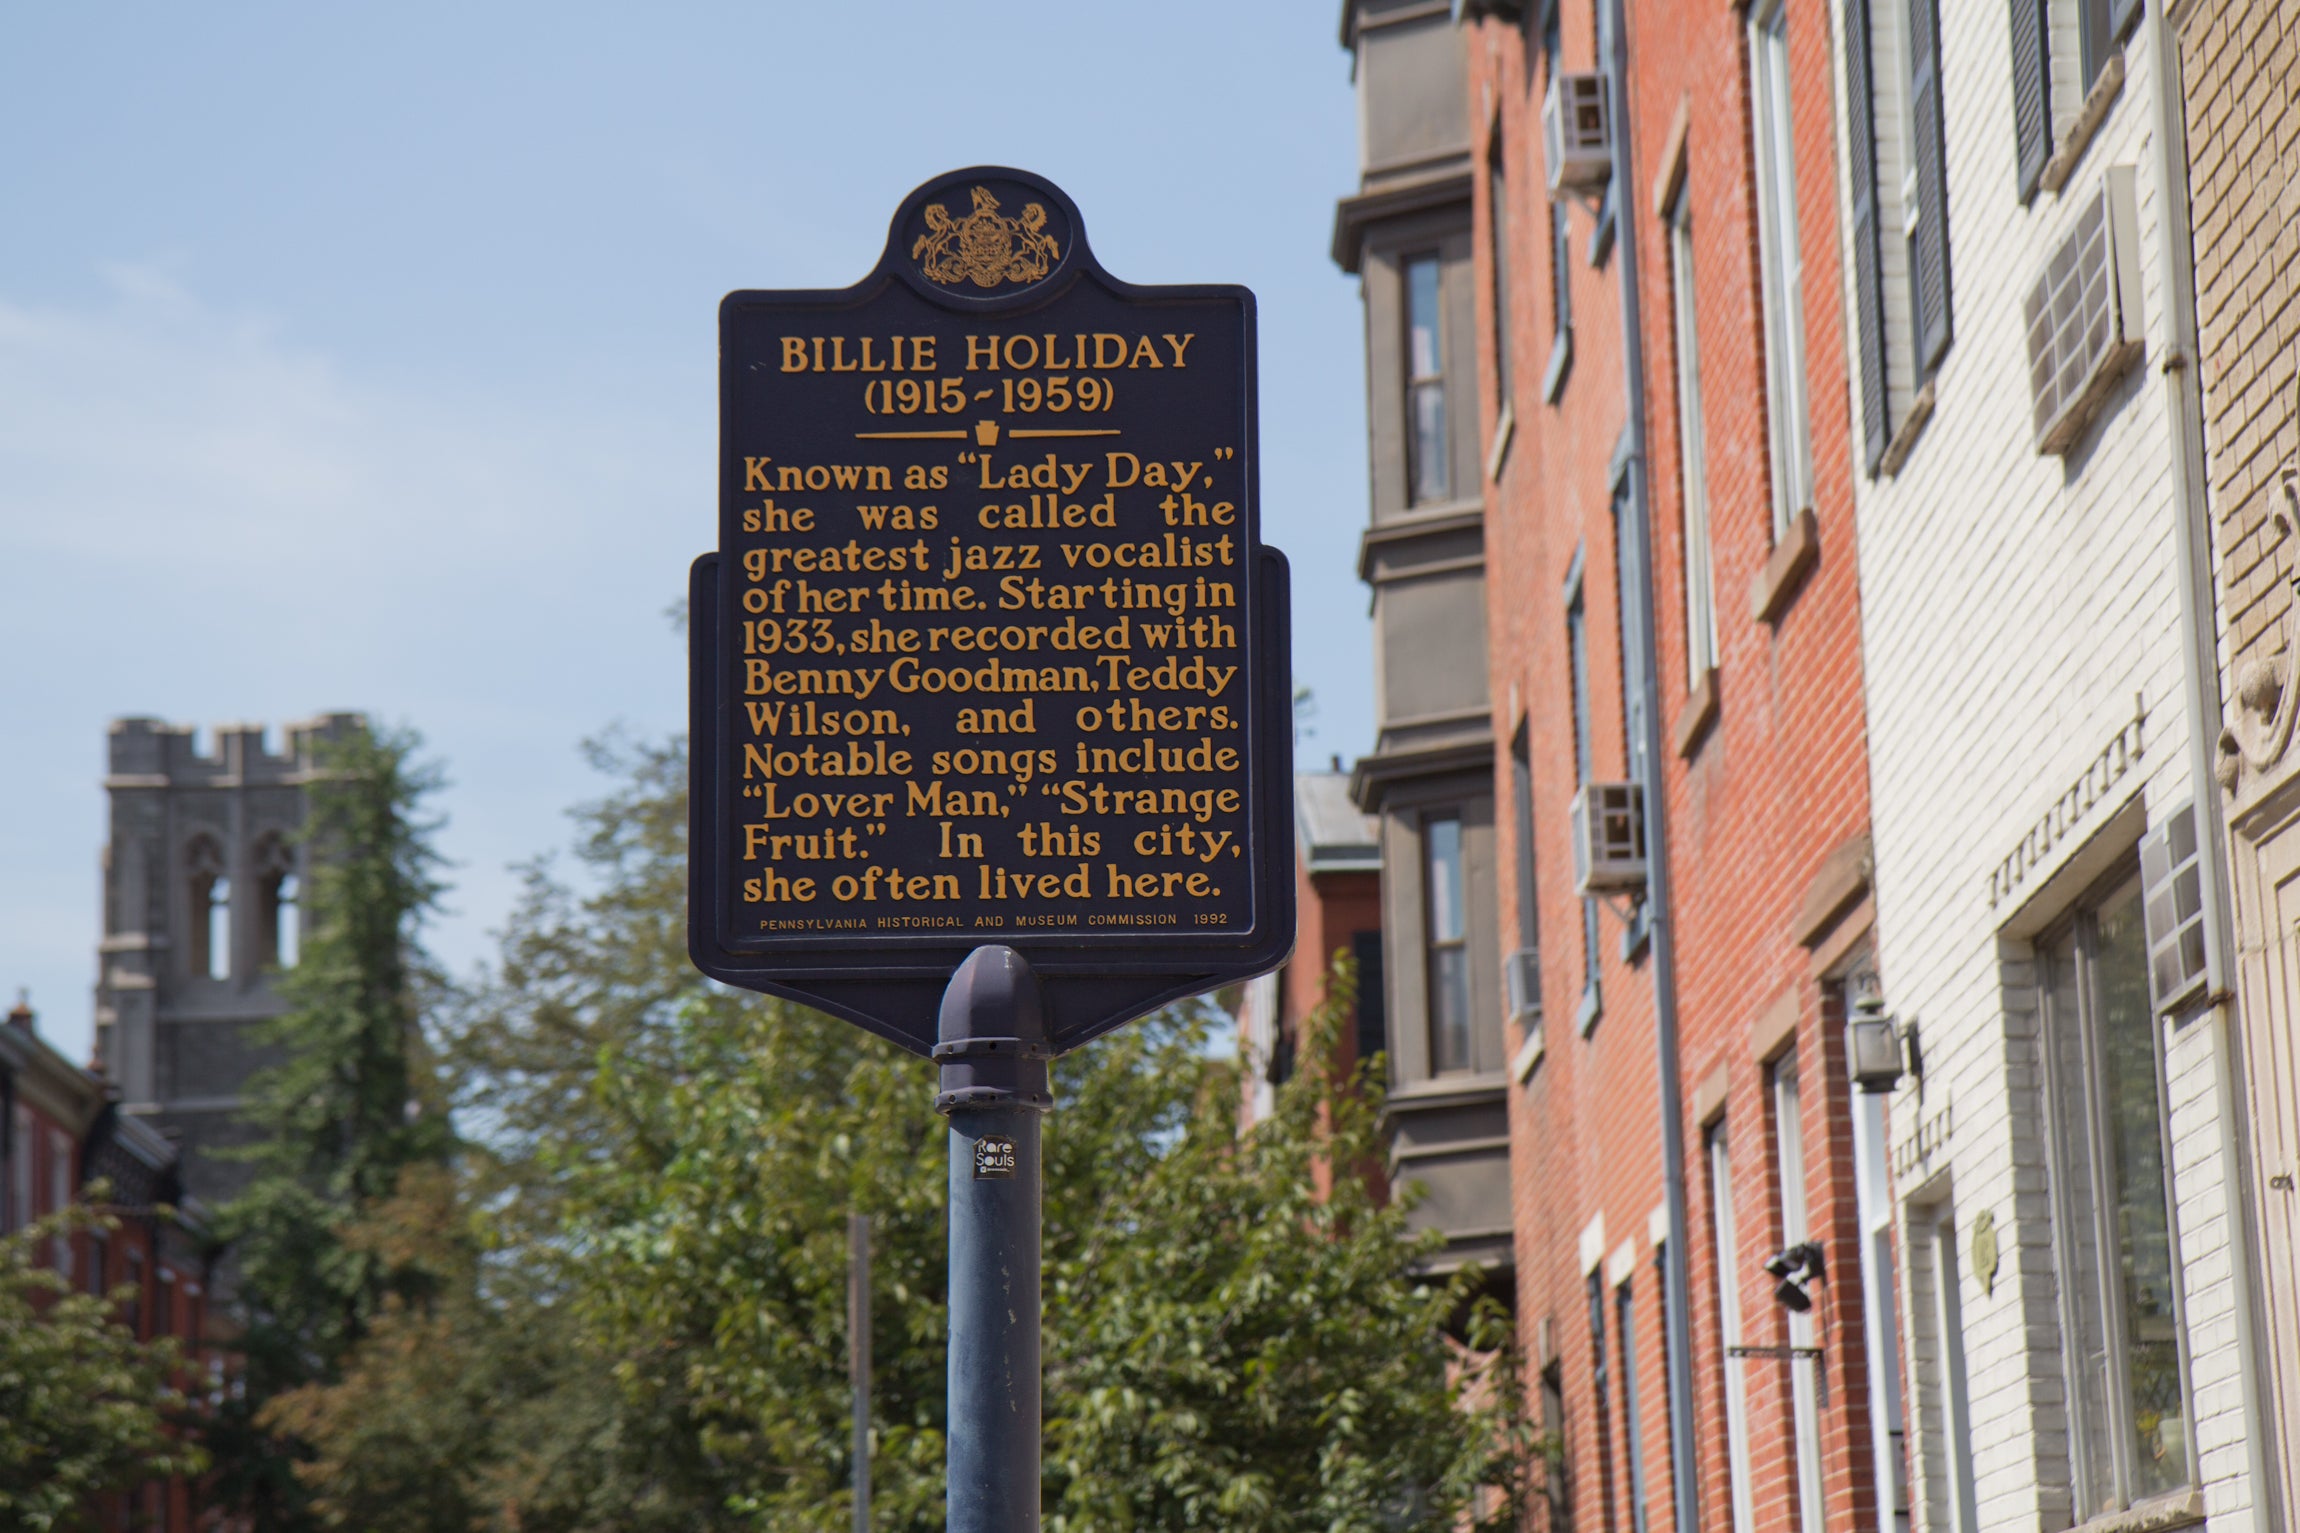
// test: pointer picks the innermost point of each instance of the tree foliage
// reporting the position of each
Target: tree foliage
(85, 1407)
(634, 1305)
(350, 1103)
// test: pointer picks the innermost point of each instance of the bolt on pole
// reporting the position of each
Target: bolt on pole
(993, 1051)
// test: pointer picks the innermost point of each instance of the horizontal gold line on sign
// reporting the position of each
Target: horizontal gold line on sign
(1026, 431)
(910, 436)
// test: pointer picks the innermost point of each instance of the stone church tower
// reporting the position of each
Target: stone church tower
(201, 907)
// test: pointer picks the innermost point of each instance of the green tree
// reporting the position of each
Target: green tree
(637, 1317)
(85, 1407)
(350, 1103)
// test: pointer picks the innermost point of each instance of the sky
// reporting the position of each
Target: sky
(363, 358)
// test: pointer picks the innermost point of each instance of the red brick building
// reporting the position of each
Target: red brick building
(1338, 911)
(64, 1131)
(1717, 454)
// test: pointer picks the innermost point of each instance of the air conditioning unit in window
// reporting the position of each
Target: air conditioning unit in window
(2083, 314)
(1521, 979)
(2172, 907)
(1577, 131)
(1608, 838)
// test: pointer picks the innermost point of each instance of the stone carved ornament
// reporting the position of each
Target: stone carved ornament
(2266, 699)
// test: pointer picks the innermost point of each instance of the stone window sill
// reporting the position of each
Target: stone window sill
(1905, 439)
(1560, 363)
(1777, 583)
(1697, 714)
(1592, 1007)
(2089, 117)
(1504, 429)
(2184, 1509)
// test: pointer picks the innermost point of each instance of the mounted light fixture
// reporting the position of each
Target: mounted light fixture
(1795, 1267)
(1874, 1047)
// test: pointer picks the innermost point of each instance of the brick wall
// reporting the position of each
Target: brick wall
(1773, 787)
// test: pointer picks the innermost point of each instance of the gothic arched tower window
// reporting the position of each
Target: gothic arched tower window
(208, 953)
(279, 893)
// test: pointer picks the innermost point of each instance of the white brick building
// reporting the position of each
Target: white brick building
(2043, 695)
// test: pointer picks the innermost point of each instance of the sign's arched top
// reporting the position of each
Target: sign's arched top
(987, 238)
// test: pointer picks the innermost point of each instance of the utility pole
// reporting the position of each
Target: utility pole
(858, 1358)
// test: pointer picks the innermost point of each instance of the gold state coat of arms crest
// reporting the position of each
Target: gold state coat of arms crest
(986, 247)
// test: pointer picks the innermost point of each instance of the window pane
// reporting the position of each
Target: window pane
(1692, 454)
(1729, 1330)
(219, 918)
(1775, 141)
(1446, 924)
(1805, 1406)
(1632, 1435)
(1425, 386)
(2084, 1321)
(1448, 952)
(2134, 1125)
(289, 917)
(1497, 202)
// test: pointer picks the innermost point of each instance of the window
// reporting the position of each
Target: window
(1937, 1367)
(60, 1191)
(1524, 974)
(209, 950)
(1625, 1310)
(1692, 450)
(279, 892)
(20, 1209)
(1556, 1487)
(1584, 768)
(1722, 1233)
(1427, 475)
(2052, 82)
(1789, 1148)
(1560, 234)
(2112, 1236)
(1631, 590)
(1774, 137)
(1372, 1028)
(1497, 230)
(134, 1318)
(1896, 163)
(1880, 1292)
(1600, 1382)
(1447, 942)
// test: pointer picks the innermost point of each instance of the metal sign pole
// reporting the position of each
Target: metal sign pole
(993, 1051)
(858, 1358)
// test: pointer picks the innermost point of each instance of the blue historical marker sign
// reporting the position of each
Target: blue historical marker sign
(990, 651)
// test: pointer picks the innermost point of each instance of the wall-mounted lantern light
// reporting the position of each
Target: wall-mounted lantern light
(1880, 1048)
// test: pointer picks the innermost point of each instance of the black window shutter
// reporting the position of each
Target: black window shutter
(1932, 241)
(2032, 93)
(1868, 283)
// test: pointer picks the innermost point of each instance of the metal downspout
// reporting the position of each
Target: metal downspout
(1676, 1326)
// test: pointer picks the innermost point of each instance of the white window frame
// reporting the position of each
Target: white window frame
(1692, 450)
(2081, 1168)
(1729, 1330)
(1773, 136)
(1804, 1395)
(1881, 1309)
(1419, 384)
